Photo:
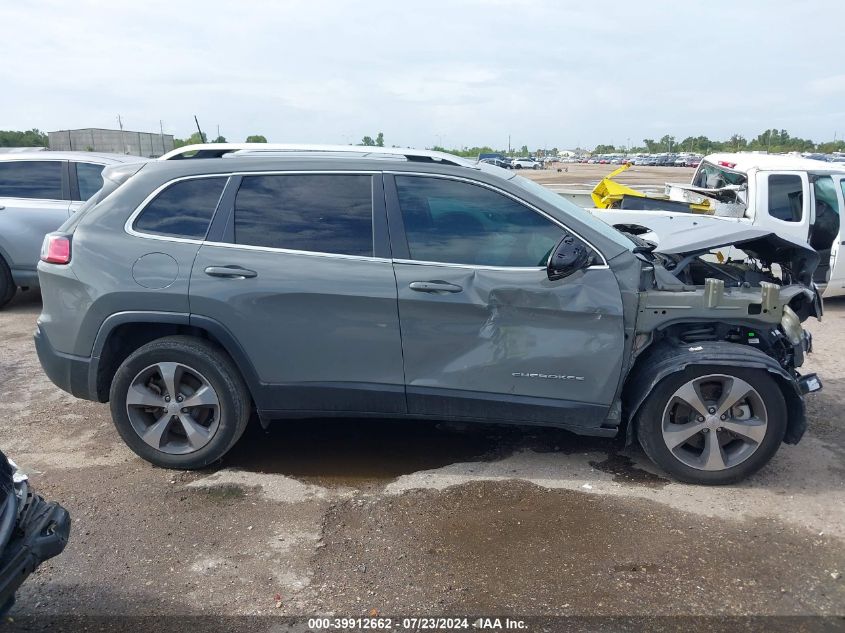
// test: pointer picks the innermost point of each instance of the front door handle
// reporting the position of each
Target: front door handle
(230, 272)
(434, 286)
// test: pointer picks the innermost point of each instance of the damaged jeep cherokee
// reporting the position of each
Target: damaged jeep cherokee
(223, 281)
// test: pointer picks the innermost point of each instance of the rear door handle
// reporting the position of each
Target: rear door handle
(230, 272)
(434, 286)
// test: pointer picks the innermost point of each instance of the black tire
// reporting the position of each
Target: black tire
(215, 365)
(649, 424)
(7, 284)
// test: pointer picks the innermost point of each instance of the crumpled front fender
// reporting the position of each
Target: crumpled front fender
(663, 359)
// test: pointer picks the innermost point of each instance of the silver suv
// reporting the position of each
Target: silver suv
(226, 281)
(38, 191)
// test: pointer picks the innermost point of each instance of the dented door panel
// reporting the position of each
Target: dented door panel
(513, 333)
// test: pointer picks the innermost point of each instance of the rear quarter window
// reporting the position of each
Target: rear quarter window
(184, 209)
(89, 176)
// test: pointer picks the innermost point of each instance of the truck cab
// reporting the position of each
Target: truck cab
(796, 198)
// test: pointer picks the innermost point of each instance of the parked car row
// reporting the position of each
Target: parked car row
(651, 160)
(511, 162)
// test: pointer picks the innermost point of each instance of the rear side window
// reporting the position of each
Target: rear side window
(184, 209)
(90, 179)
(786, 197)
(40, 179)
(322, 213)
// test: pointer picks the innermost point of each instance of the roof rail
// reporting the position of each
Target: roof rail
(218, 150)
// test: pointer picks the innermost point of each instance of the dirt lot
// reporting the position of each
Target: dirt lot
(582, 176)
(409, 518)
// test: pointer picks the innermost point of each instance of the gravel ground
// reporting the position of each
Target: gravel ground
(343, 517)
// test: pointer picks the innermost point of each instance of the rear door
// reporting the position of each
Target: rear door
(34, 200)
(301, 278)
(485, 333)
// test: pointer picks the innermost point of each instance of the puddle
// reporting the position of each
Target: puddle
(359, 452)
(624, 472)
(356, 452)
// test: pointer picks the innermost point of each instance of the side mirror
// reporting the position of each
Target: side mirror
(570, 255)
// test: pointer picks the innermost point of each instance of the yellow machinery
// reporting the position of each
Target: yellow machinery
(608, 194)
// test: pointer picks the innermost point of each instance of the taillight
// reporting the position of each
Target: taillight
(56, 249)
(724, 163)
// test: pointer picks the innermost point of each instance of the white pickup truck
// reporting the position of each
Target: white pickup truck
(797, 198)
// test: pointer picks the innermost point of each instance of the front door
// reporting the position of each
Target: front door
(485, 333)
(784, 204)
(303, 282)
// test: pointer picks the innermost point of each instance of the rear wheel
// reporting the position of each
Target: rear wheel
(179, 402)
(7, 284)
(713, 425)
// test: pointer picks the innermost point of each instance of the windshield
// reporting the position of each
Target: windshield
(567, 207)
(710, 176)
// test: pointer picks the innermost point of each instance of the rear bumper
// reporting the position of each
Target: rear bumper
(41, 533)
(68, 372)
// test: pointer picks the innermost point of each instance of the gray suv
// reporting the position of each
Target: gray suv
(38, 191)
(195, 291)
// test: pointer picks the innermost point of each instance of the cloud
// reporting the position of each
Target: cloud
(827, 86)
(474, 72)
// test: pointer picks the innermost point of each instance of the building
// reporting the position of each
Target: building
(145, 144)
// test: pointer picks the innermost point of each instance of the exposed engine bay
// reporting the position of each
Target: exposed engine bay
(757, 284)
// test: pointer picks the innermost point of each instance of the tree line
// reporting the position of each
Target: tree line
(773, 140)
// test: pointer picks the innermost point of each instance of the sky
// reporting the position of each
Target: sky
(547, 73)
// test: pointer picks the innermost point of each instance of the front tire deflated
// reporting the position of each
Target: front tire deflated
(179, 402)
(713, 424)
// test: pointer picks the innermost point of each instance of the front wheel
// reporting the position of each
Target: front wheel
(713, 425)
(179, 402)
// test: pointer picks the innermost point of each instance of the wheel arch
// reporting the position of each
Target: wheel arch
(123, 333)
(663, 359)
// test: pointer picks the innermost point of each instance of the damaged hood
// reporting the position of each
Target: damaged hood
(761, 244)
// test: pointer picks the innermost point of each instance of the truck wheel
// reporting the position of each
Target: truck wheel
(713, 425)
(179, 402)
(7, 284)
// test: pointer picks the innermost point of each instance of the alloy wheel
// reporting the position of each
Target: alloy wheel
(714, 422)
(173, 408)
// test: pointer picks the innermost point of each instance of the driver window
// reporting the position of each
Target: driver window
(786, 197)
(457, 222)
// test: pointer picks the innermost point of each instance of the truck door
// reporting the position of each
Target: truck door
(836, 285)
(783, 203)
